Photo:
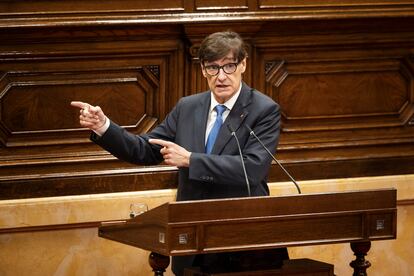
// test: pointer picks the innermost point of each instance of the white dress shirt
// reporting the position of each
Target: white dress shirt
(212, 115)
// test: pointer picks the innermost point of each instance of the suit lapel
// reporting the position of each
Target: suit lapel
(200, 121)
(234, 119)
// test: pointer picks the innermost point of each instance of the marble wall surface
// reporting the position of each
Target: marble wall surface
(79, 251)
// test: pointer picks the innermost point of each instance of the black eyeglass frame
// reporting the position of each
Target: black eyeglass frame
(221, 67)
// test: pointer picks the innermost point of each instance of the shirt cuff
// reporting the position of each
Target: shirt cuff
(101, 131)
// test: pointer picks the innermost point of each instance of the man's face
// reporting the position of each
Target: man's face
(224, 85)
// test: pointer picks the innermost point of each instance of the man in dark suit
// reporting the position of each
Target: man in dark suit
(195, 135)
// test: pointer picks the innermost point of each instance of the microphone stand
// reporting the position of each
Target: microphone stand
(233, 133)
(277, 161)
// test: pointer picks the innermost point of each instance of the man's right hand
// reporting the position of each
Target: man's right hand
(91, 117)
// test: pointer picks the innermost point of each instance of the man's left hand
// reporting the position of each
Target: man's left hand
(172, 153)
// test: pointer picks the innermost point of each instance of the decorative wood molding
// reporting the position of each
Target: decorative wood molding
(56, 14)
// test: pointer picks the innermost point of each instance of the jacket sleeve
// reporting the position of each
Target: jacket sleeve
(136, 149)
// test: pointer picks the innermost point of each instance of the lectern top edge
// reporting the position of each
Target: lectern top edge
(249, 207)
(280, 196)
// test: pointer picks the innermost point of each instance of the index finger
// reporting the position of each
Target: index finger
(79, 104)
(160, 142)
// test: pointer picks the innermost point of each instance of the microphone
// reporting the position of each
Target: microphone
(277, 161)
(233, 133)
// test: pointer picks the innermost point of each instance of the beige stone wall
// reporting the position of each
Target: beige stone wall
(80, 251)
(72, 251)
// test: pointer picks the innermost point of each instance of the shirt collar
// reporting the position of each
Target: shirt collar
(230, 102)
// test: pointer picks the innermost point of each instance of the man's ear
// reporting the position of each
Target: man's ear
(243, 65)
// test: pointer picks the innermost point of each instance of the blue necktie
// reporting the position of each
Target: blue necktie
(216, 128)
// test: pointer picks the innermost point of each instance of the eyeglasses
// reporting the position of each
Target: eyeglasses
(214, 69)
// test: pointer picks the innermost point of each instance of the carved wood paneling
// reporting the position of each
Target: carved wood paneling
(320, 4)
(48, 8)
(342, 72)
(49, 13)
(43, 149)
(215, 5)
(35, 104)
(95, 178)
(346, 97)
(337, 95)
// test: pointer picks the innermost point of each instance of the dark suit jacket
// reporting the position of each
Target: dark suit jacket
(219, 174)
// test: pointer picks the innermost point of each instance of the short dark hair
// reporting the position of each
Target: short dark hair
(218, 45)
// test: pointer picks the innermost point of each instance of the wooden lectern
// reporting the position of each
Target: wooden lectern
(207, 226)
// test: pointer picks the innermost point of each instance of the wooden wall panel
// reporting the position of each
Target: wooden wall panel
(214, 5)
(343, 95)
(344, 81)
(328, 3)
(43, 149)
(48, 8)
(33, 101)
(49, 13)
(345, 89)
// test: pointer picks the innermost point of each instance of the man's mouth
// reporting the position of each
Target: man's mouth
(221, 86)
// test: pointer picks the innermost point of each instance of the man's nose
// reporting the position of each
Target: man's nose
(221, 74)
